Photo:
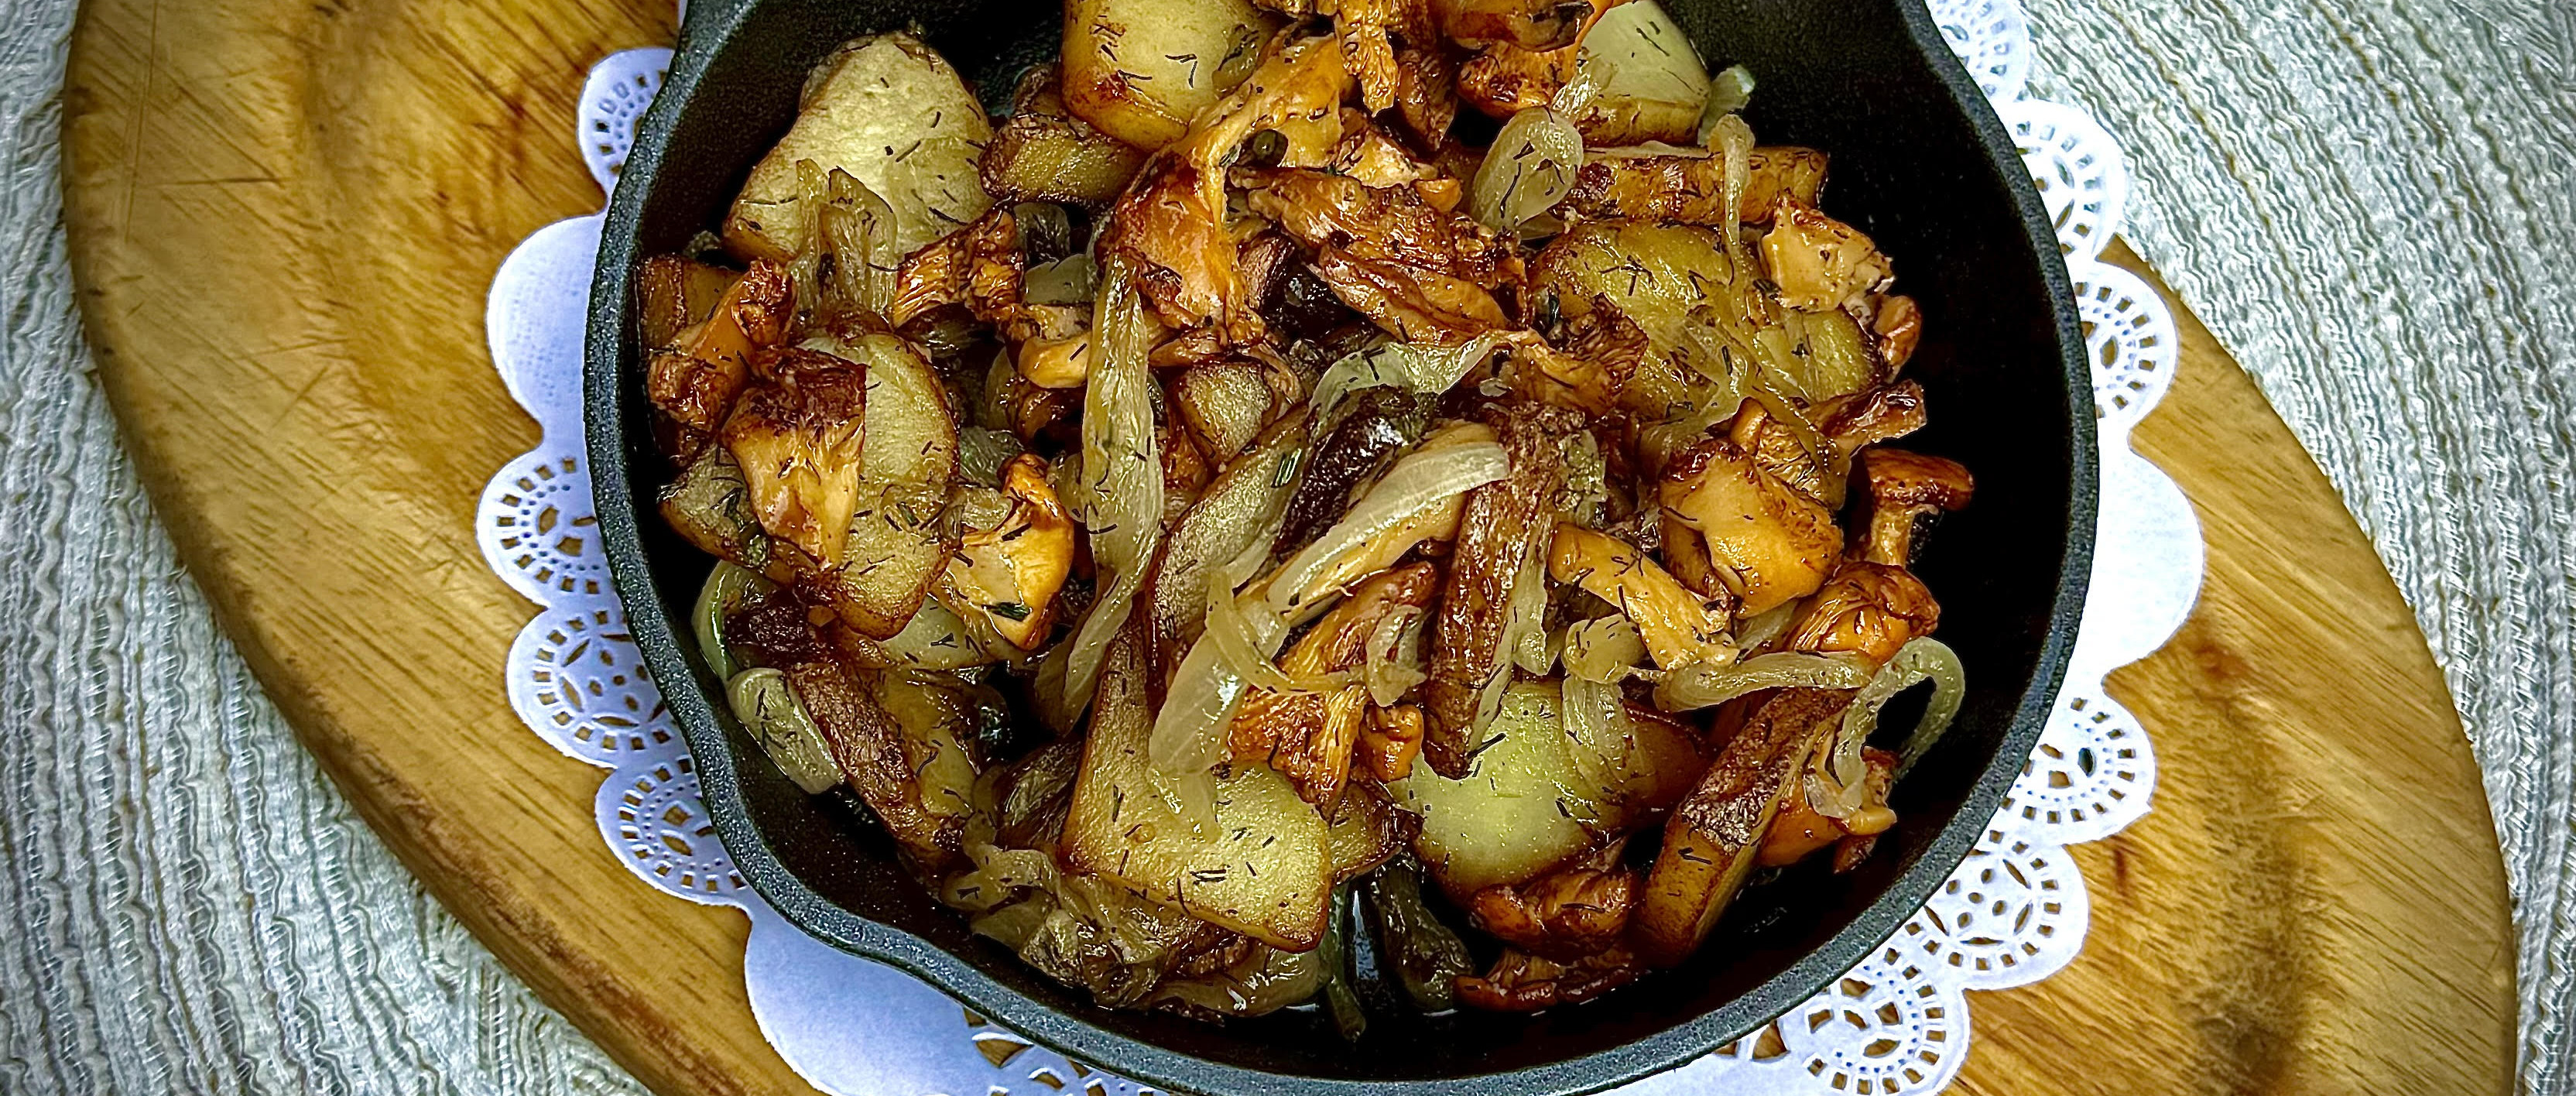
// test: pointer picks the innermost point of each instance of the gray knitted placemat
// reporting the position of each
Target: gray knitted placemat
(2370, 203)
(2373, 204)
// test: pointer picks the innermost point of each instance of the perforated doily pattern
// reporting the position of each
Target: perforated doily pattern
(1897, 1025)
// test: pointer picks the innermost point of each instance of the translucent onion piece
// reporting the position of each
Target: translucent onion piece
(1054, 706)
(1828, 796)
(1593, 71)
(1766, 626)
(1701, 685)
(981, 454)
(1921, 659)
(1122, 472)
(1423, 478)
(1412, 367)
(1069, 280)
(1530, 167)
(938, 639)
(769, 709)
(725, 588)
(1189, 729)
(1606, 650)
(1728, 93)
(1525, 627)
(1645, 58)
(1393, 663)
(1596, 720)
(1267, 980)
(1732, 140)
(1247, 634)
(1189, 735)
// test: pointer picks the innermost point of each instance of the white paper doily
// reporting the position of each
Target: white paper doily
(1896, 1025)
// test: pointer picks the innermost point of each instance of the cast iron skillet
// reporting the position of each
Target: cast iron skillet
(1919, 162)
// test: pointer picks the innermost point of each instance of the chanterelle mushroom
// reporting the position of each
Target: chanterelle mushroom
(1904, 487)
(1679, 627)
(695, 381)
(1820, 262)
(796, 432)
(1568, 913)
(1770, 544)
(1309, 737)
(1010, 574)
(1867, 608)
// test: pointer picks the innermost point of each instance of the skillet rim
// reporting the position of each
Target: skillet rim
(710, 29)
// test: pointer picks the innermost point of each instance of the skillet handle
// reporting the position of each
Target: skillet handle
(705, 19)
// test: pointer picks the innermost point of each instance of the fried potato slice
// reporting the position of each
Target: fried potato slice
(894, 114)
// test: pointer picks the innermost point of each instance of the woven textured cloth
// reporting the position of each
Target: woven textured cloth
(2368, 202)
(191, 906)
(2371, 204)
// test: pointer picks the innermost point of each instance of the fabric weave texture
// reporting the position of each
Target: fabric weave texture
(2368, 202)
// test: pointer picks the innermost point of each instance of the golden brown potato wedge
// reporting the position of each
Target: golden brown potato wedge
(1263, 868)
(673, 293)
(1526, 803)
(1224, 404)
(897, 548)
(1369, 832)
(897, 117)
(872, 749)
(1042, 153)
(935, 717)
(1501, 527)
(1139, 70)
(709, 505)
(1657, 85)
(1714, 837)
(1665, 183)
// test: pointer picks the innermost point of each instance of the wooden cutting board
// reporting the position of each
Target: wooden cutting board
(284, 215)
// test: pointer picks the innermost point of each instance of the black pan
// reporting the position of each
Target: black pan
(1919, 162)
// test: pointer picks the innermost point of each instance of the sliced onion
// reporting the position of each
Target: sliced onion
(726, 586)
(1422, 479)
(1596, 719)
(1122, 471)
(1189, 736)
(1392, 663)
(1606, 650)
(1828, 796)
(1525, 622)
(1700, 684)
(1247, 634)
(1593, 71)
(1069, 280)
(1530, 168)
(981, 454)
(1730, 138)
(778, 721)
(1420, 368)
(1189, 729)
(1760, 629)
(1920, 660)
(1837, 783)
(1728, 92)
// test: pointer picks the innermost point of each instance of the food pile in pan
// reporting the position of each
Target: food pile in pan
(1414, 469)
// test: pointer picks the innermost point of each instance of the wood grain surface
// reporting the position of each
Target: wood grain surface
(284, 216)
